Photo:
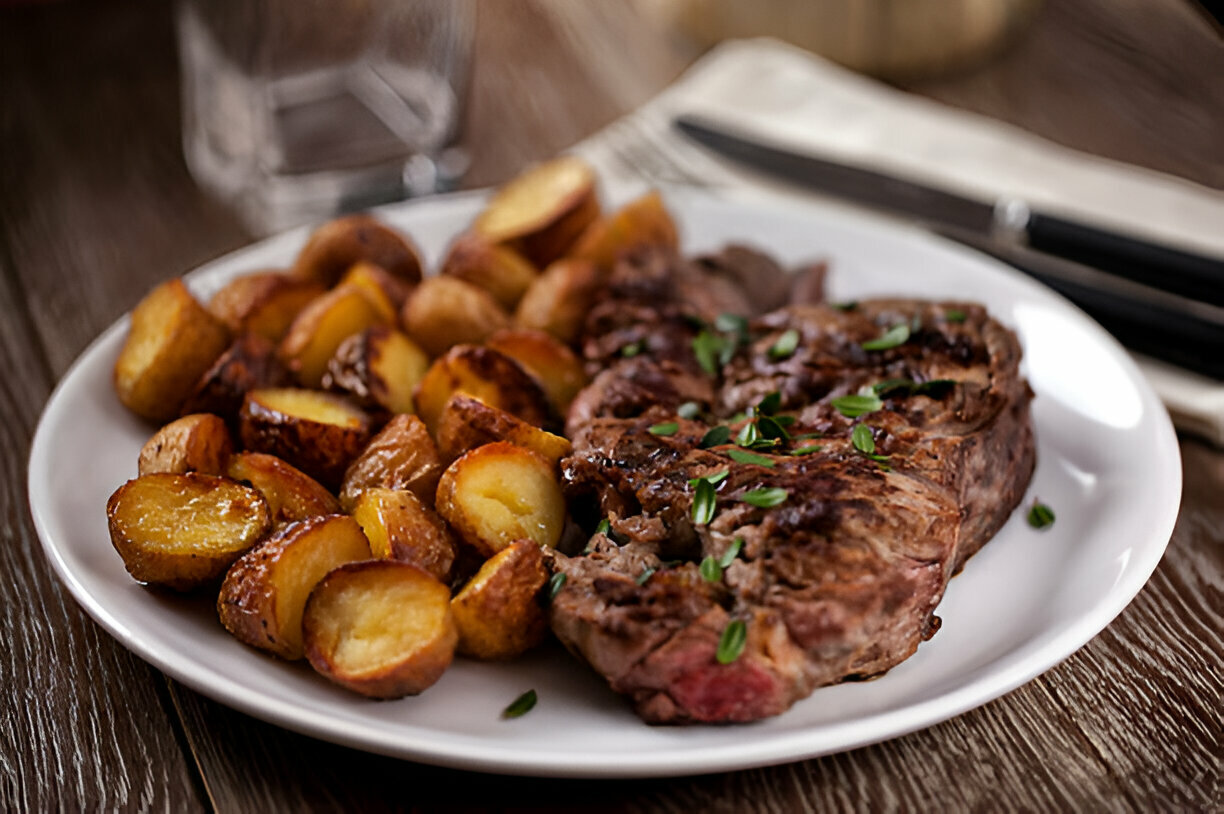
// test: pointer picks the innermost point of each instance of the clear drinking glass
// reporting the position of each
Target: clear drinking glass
(297, 110)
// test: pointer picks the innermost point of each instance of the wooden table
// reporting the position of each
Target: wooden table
(96, 206)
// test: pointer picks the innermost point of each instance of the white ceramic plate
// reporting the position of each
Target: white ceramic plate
(1108, 464)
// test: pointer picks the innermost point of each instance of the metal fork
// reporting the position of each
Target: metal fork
(643, 151)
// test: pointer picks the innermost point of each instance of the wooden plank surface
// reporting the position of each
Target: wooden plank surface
(96, 205)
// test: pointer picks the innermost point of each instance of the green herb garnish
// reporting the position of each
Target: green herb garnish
(520, 706)
(631, 350)
(770, 404)
(732, 323)
(710, 570)
(896, 335)
(731, 644)
(770, 427)
(849, 305)
(707, 347)
(645, 575)
(955, 315)
(748, 435)
(863, 439)
(715, 436)
(745, 457)
(935, 388)
(765, 497)
(731, 553)
(688, 410)
(806, 450)
(713, 478)
(1040, 516)
(556, 584)
(857, 404)
(807, 436)
(604, 527)
(704, 499)
(666, 428)
(786, 344)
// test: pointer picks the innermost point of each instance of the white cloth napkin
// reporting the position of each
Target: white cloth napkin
(794, 99)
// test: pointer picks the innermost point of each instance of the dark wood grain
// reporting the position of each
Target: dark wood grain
(96, 205)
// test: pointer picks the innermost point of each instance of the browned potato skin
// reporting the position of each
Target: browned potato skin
(379, 369)
(401, 527)
(248, 364)
(137, 510)
(468, 422)
(560, 299)
(348, 600)
(321, 450)
(385, 292)
(264, 593)
(447, 311)
(263, 303)
(557, 368)
(320, 329)
(172, 340)
(492, 377)
(502, 272)
(498, 612)
(402, 456)
(291, 494)
(193, 443)
(336, 245)
(642, 222)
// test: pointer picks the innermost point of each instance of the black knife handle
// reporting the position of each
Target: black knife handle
(1190, 275)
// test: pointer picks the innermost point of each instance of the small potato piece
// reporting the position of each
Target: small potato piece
(642, 222)
(490, 376)
(385, 292)
(468, 422)
(500, 493)
(446, 311)
(263, 303)
(400, 527)
(560, 299)
(498, 612)
(182, 531)
(379, 368)
(557, 368)
(319, 433)
(248, 364)
(193, 443)
(290, 492)
(335, 246)
(497, 269)
(317, 332)
(171, 342)
(401, 456)
(380, 628)
(543, 211)
(263, 594)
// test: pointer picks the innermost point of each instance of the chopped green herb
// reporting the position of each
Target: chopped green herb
(863, 439)
(631, 350)
(732, 323)
(855, 405)
(748, 435)
(769, 427)
(520, 706)
(935, 388)
(704, 500)
(710, 570)
(770, 404)
(708, 347)
(645, 575)
(806, 450)
(745, 457)
(807, 436)
(714, 478)
(1040, 516)
(849, 305)
(740, 416)
(688, 410)
(894, 336)
(783, 420)
(604, 527)
(731, 644)
(786, 344)
(765, 497)
(666, 428)
(556, 584)
(731, 553)
(955, 315)
(894, 385)
(715, 436)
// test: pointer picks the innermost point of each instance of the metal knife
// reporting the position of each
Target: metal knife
(1158, 299)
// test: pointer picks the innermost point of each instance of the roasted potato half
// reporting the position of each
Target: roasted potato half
(193, 443)
(543, 211)
(401, 527)
(385, 291)
(447, 311)
(172, 340)
(321, 327)
(467, 423)
(335, 246)
(319, 433)
(182, 531)
(247, 364)
(263, 303)
(498, 612)
(500, 493)
(263, 594)
(560, 299)
(492, 377)
(501, 271)
(290, 492)
(380, 628)
(402, 456)
(379, 368)
(557, 368)
(642, 222)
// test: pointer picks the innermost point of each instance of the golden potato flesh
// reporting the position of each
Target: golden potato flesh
(379, 368)
(182, 531)
(385, 292)
(498, 612)
(400, 527)
(248, 364)
(171, 341)
(290, 492)
(492, 377)
(335, 246)
(319, 329)
(402, 456)
(193, 443)
(265, 591)
(319, 433)
(500, 493)
(543, 211)
(557, 368)
(446, 311)
(642, 222)
(380, 628)
(502, 272)
(468, 422)
(264, 303)
(560, 299)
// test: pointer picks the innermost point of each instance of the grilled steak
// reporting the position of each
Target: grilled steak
(841, 565)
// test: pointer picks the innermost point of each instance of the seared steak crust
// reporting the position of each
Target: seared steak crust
(841, 579)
